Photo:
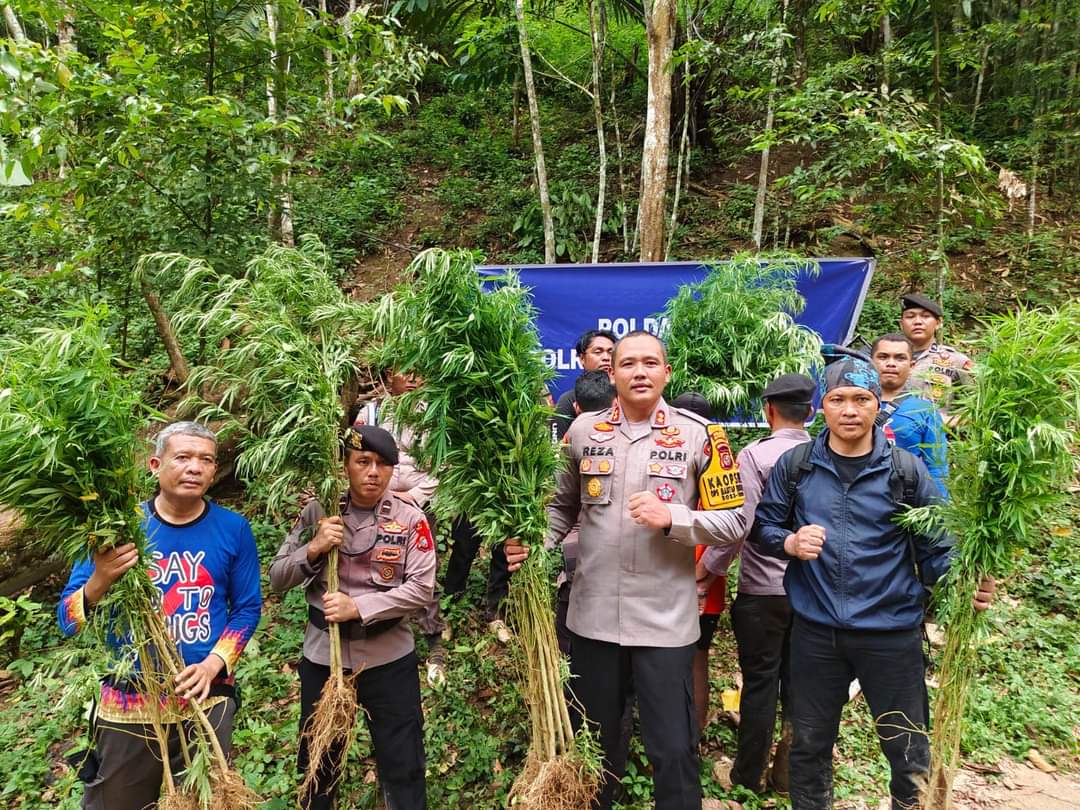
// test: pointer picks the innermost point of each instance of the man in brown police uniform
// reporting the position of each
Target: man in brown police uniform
(387, 571)
(633, 477)
(937, 368)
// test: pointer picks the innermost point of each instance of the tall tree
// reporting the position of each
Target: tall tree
(660, 19)
(538, 143)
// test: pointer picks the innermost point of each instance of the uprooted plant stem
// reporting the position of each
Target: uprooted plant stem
(330, 728)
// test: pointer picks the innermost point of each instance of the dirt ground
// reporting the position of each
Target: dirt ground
(1012, 786)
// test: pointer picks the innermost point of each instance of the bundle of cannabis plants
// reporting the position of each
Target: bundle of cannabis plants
(291, 343)
(734, 332)
(71, 466)
(1013, 460)
(482, 426)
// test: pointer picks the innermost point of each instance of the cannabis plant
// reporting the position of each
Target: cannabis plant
(291, 344)
(71, 466)
(734, 332)
(1012, 461)
(481, 424)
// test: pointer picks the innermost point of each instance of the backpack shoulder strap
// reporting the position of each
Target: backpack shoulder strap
(904, 477)
(796, 465)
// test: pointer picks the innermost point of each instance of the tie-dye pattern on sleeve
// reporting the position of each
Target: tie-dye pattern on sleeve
(230, 645)
(72, 613)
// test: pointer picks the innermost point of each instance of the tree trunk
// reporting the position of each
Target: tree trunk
(538, 144)
(281, 225)
(943, 261)
(770, 113)
(328, 60)
(65, 31)
(598, 34)
(886, 47)
(515, 126)
(684, 145)
(13, 24)
(660, 32)
(622, 175)
(1031, 196)
(354, 76)
(168, 336)
(979, 83)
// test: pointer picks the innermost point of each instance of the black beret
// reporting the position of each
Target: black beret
(374, 439)
(795, 388)
(694, 402)
(920, 301)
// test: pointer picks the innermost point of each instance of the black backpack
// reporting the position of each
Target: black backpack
(903, 483)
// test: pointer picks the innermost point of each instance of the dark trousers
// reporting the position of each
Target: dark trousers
(465, 544)
(762, 626)
(663, 684)
(390, 698)
(127, 759)
(890, 669)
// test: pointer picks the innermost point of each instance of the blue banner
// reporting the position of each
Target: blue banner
(573, 298)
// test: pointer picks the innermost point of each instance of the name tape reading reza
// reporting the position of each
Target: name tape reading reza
(567, 359)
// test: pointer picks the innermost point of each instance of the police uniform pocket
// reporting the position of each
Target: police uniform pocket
(596, 478)
(665, 479)
(387, 566)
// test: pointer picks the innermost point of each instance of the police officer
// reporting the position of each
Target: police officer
(387, 571)
(417, 487)
(761, 615)
(937, 367)
(633, 478)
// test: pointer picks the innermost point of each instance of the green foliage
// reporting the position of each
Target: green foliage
(1011, 465)
(734, 332)
(292, 346)
(69, 452)
(15, 615)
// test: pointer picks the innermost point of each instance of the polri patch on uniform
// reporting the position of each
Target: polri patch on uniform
(392, 527)
(388, 555)
(594, 488)
(424, 540)
(665, 492)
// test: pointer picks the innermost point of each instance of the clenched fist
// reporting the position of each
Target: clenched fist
(806, 543)
(331, 533)
(649, 511)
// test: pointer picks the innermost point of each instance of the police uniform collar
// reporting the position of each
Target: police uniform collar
(661, 415)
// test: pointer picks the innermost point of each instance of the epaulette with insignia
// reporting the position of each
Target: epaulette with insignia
(701, 420)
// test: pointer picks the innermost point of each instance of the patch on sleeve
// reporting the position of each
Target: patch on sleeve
(424, 540)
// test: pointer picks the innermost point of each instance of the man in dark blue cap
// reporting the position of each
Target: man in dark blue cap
(386, 571)
(857, 584)
(761, 614)
(937, 367)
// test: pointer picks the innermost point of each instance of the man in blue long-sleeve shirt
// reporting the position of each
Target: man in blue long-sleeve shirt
(909, 420)
(857, 584)
(204, 561)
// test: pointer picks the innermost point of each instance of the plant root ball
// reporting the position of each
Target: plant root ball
(231, 792)
(563, 783)
(329, 732)
(178, 801)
